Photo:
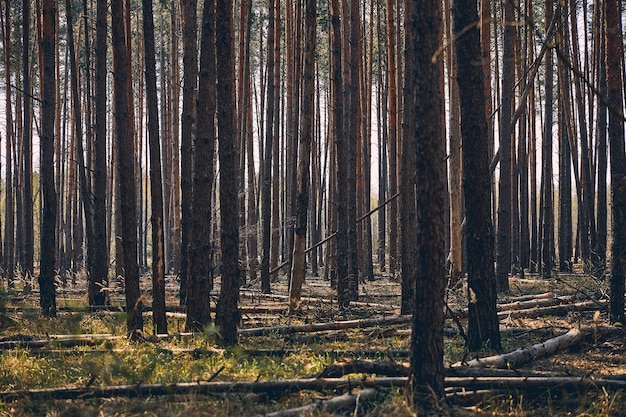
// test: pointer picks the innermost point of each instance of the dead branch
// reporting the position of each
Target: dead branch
(200, 388)
(558, 310)
(324, 301)
(316, 327)
(519, 384)
(523, 355)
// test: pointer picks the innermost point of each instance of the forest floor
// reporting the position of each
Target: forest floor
(75, 364)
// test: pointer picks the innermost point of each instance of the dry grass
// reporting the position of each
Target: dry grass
(123, 362)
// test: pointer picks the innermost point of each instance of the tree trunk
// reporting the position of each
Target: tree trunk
(48, 221)
(156, 183)
(546, 170)
(503, 239)
(423, 126)
(483, 324)
(190, 76)
(615, 95)
(9, 222)
(266, 190)
(101, 247)
(227, 316)
(125, 165)
(199, 282)
(298, 266)
(393, 79)
(27, 224)
(601, 140)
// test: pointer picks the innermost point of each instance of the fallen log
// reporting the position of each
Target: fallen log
(346, 367)
(559, 310)
(316, 327)
(523, 355)
(528, 297)
(199, 388)
(393, 369)
(324, 301)
(539, 302)
(349, 401)
(519, 384)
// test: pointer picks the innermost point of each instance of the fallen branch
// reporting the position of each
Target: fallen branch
(518, 384)
(559, 310)
(523, 355)
(346, 402)
(200, 388)
(316, 327)
(538, 302)
(324, 301)
(393, 369)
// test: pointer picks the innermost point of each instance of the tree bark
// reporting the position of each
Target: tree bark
(125, 169)
(227, 316)
(615, 94)
(483, 326)
(298, 267)
(190, 76)
(423, 126)
(156, 183)
(48, 222)
(199, 281)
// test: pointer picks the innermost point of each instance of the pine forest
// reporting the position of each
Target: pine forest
(312, 207)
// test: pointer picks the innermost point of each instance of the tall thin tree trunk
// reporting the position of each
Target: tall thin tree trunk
(101, 247)
(483, 325)
(190, 76)
(125, 169)
(503, 239)
(266, 191)
(27, 223)
(392, 79)
(304, 156)
(614, 51)
(546, 172)
(156, 186)
(9, 222)
(199, 280)
(227, 316)
(423, 126)
(48, 221)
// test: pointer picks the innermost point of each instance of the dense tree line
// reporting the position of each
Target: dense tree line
(479, 131)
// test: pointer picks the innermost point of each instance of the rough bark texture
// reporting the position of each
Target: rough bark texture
(27, 240)
(125, 169)
(101, 247)
(156, 183)
(227, 316)
(48, 220)
(423, 125)
(547, 215)
(614, 85)
(483, 326)
(189, 20)
(298, 267)
(503, 248)
(266, 185)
